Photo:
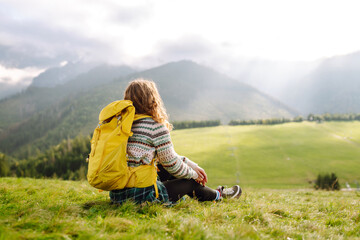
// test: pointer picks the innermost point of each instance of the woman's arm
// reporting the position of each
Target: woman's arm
(168, 158)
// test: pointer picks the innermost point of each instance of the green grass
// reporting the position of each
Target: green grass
(278, 156)
(55, 209)
(281, 157)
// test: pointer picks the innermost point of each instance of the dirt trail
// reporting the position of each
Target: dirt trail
(335, 134)
(233, 154)
(346, 139)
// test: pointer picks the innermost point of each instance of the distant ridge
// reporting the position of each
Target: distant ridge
(333, 87)
(190, 92)
(194, 92)
(60, 75)
(38, 97)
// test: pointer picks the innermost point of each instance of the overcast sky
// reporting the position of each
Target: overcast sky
(38, 33)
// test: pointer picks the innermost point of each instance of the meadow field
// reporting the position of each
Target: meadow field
(56, 209)
(274, 156)
(273, 164)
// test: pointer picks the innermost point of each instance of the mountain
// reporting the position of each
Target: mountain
(190, 92)
(37, 97)
(327, 85)
(194, 92)
(272, 77)
(333, 87)
(60, 75)
(6, 90)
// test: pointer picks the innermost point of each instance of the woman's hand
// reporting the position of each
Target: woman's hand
(202, 177)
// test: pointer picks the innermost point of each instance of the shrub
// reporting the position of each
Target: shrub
(327, 181)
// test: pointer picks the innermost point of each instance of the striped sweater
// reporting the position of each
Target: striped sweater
(151, 139)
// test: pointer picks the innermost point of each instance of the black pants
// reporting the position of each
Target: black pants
(177, 188)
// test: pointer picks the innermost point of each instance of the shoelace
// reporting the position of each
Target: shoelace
(228, 191)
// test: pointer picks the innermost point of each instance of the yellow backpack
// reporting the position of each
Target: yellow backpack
(108, 169)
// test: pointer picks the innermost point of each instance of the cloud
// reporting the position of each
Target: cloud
(51, 33)
(131, 15)
(34, 43)
(15, 76)
(5, 79)
(148, 33)
(126, 31)
(187, 47)
(21, 57)
(38, 35)
(194, 47)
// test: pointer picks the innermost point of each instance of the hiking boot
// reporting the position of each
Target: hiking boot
(233, 192)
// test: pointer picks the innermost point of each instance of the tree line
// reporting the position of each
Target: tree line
(195, 124)
(271, 121)
(66, 160)
(334, 117)
(311, 118)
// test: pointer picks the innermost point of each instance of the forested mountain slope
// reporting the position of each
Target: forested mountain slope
(20, 107)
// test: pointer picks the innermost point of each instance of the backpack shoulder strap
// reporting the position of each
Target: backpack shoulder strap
(140, 116)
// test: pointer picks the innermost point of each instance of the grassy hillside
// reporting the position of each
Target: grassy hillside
(271, 156)
(278, 156)
(55, 209)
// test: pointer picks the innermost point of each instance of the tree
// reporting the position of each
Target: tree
(4, 166)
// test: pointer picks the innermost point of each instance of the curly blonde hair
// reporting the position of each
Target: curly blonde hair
(146, 100)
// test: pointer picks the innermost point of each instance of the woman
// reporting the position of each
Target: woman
(178, 175)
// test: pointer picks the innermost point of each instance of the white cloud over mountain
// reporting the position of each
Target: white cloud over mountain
(226, 35)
